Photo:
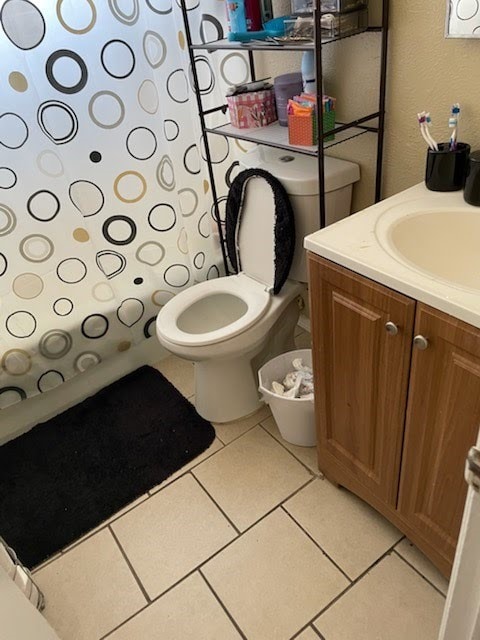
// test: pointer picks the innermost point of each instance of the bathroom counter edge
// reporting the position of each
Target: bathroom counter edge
(353, 243)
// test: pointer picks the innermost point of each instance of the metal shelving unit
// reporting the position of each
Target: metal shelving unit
(274, 135)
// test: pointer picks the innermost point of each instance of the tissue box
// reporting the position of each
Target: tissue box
(252, 110)
(304, 132)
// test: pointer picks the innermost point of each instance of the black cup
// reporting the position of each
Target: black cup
(472, 183)
(447, 169)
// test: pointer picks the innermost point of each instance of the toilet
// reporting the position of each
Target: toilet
(229, 327)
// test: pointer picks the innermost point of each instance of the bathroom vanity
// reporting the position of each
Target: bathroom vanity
(396, 354)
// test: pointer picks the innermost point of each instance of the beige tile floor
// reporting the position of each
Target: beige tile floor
(248, 541)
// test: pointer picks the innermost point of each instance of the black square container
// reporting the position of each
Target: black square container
(447, 169)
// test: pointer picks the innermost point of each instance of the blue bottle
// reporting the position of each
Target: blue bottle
(237, 15)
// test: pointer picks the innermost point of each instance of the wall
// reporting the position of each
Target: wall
(426, 72)
(429, 72)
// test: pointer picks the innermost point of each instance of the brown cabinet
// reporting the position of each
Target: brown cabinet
(362, 374)
(395, 420)
(443, 418)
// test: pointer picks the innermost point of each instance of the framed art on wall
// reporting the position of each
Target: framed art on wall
(463, 19)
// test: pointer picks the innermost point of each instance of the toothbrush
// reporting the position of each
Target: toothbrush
(453, 124)
(422, 121)
(428, 121)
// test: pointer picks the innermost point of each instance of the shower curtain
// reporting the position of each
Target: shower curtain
(105, 202)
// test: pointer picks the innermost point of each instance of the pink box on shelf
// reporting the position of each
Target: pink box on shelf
(252, 110)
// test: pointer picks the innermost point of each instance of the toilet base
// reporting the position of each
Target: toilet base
(227, 389)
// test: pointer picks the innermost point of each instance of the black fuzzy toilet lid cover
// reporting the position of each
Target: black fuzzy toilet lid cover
(284, 223)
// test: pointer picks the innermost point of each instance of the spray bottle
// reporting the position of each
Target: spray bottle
(308, 73)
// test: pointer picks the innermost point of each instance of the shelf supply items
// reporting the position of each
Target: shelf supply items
(472, 184)
(341, 24)
(302, 119)
(267, 10)
(276, 136)
(244, 15)
(272, 29)
(303, 7)
(286, 86)
(252, 109)
(301, 29)
(308, 73)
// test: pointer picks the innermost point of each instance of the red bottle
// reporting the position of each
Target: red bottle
(254, 15)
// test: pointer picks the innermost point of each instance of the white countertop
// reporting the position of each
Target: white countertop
(356, 243)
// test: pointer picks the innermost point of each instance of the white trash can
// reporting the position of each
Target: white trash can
(295, 417)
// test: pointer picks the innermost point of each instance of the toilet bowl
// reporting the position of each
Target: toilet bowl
(229, 327)
(243, 318)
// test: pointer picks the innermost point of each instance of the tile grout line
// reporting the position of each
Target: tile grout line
(308, 626)
(200, 566)
(150, 603)
(104, 525)
(419, 573)
(189, 470)
(228, 544)
(259, 423)
(278, 506)
(221, 549)
(320, 474)
(227, 612)
(231, 523)
(149, 495)
(116, 517)
(134, 615)
(317, 544)
(350, 586)
(130, 566)
(45, 563)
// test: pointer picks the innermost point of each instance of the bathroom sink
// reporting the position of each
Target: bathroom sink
(443, 243)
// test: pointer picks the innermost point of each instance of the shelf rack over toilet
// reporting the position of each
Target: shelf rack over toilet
(276, 136)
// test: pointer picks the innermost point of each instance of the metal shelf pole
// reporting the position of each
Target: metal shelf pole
(382, 100)
(201, 115)
(320, 130)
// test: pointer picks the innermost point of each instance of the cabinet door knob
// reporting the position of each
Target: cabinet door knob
(420, 342)
(391, 328)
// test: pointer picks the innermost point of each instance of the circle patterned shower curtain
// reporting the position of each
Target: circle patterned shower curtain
(105, 201)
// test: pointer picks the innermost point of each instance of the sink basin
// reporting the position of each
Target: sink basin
(442, 243)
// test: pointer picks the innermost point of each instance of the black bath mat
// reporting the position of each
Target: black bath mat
(67, 475)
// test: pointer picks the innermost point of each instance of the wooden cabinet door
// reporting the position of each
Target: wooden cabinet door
(443, 417)
(361, 377)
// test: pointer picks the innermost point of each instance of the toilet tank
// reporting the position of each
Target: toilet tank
(299, 175)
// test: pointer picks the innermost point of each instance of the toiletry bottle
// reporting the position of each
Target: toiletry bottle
(237, 17)
(472, 184)
(308, 73)
(267, 10)
(254, 15)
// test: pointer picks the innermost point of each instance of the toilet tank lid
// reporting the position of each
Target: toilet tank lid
(299, 173)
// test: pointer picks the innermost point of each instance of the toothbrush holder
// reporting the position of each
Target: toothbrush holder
(446, 168)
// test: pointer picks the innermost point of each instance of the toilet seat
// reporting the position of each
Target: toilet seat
(241, 286)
